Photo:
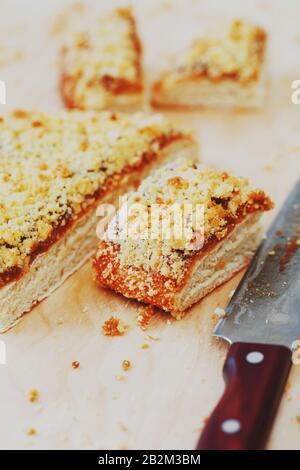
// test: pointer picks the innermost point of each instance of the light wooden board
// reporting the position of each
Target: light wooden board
(174, 384)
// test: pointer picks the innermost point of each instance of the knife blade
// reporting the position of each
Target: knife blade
(262, 323)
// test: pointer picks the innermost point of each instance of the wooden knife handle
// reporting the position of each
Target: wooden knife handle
(255, 377)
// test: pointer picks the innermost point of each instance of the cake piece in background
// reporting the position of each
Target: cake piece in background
(176, 268)
(223, 72)
(101, 67)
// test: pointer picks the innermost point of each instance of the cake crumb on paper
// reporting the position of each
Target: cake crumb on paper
(123, 447)
(123, 427)
(33, 395)
(120, 378)
(114, 327)
(287, 387)
(151, 338)
(126, 365)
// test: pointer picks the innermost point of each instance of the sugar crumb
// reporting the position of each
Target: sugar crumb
(114, 327)
(33, 395)
(151, 338)
(120, 378)
(126, 365)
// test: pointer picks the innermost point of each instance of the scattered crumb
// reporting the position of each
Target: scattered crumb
(123, 447)
(126, 365)
(271, 253)
(123, 427)
(151, 338)
(114, 397)
(114, 327)
(60, 322)
(145, 346)
(120, 378)
(220, 312)
(268, 168)
(287, 387)
(33, 395)
(75, 364)
(204, 422)
(85, 309)
(169, 322)
(31, 432)
(298, 419)
(145, 313)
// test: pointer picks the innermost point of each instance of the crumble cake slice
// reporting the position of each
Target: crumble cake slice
(102, 67)
(174, 269)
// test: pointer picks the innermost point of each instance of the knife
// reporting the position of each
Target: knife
(262, 323)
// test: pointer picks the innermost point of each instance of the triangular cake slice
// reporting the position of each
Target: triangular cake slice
(101, 67)
(167, 266)
(54, 172)
(223, 72)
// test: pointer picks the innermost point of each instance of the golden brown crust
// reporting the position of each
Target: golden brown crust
(158, 284)
(75, 82)
(65, 182)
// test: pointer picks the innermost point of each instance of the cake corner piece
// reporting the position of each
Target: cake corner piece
(221, 72)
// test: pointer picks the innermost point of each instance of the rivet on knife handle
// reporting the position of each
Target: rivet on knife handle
(255, 376)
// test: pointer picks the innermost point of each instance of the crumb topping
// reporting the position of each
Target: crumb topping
(101, 57)
(145, 267)
(238, 55)
(114, 327)
(145, 313)
(52, 166)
